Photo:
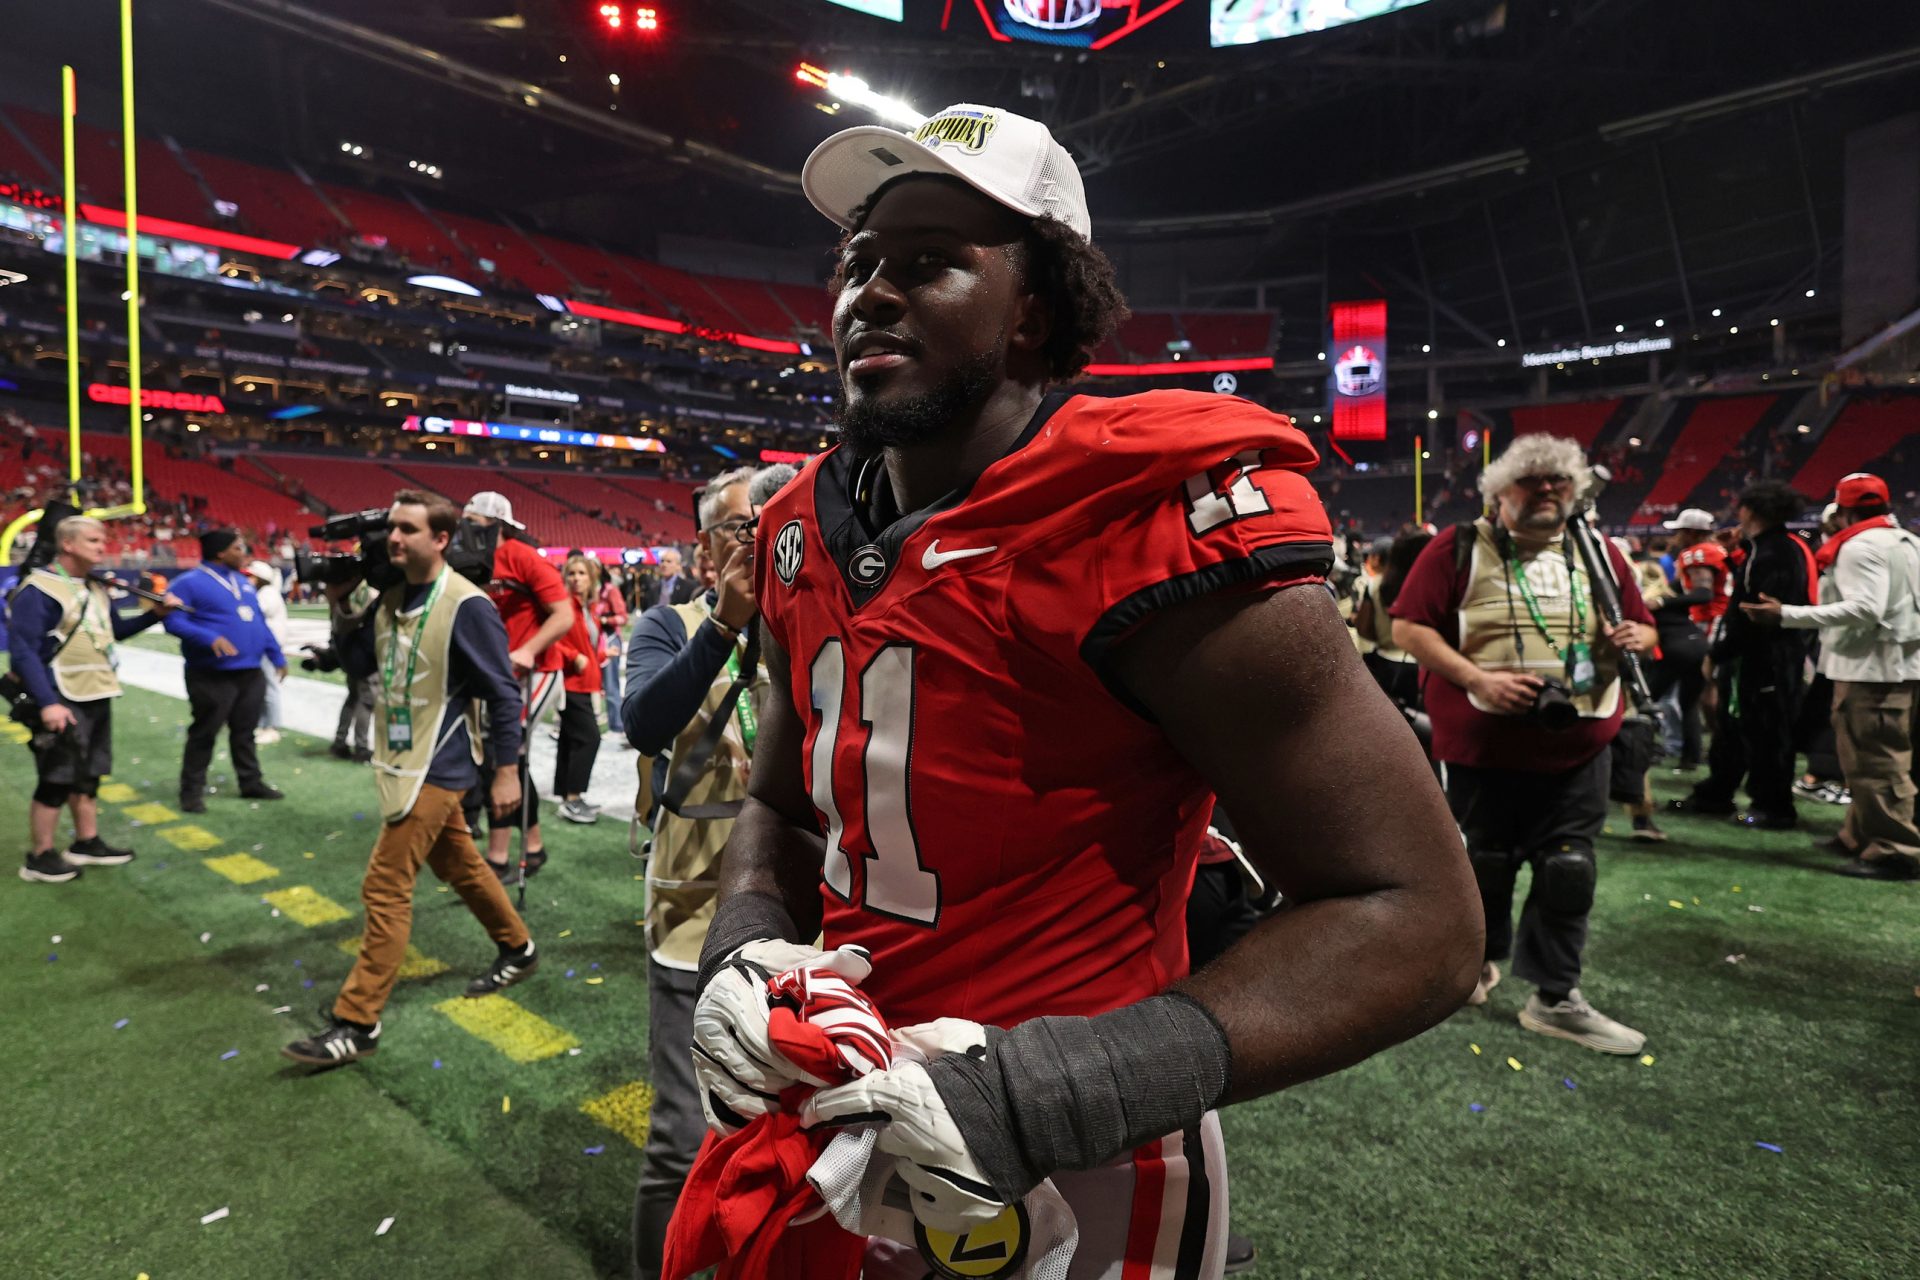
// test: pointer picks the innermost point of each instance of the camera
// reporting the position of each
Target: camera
(1553, 707)
(336, 569)
(320, 658)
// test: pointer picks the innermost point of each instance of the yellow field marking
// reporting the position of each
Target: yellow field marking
(412, 965)
(241, 868)
(14, 732)
(303, 905)
(628, 1111)
(117, 793)
(188, 838)
(522, 1036)
(150, 813)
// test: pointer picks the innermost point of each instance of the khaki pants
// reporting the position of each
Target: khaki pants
(1873, 727)
(435, 833)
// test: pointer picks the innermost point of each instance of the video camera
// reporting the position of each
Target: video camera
(469, 554)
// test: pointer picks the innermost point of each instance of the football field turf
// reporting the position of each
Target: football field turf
(1772, 1133)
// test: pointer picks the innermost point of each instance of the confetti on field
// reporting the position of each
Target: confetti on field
(52, 956)
(569, 973)
(506, 1104)
(333, 835)
(1646, 1059)
(436, 1064)
(565, 933)
(1736, 888)
(258, 987)
(386, 1224)
(1768, 1146)
(1476, 1107)
(573, 1053)
(231, 1053)
(1696, 902)
(1515, 1064)
(123, 1022)
(1475, 1048)
(306, 984)
(215, 1216)
(594, 965)
(1756, 909)
(594, 982)
(1676, 904)
(285, 1008)
(1568, 1081)
(1736, 959)
(306, 855)
(206, 937)
(1646, 897)
(56, 939)
(592, 1151)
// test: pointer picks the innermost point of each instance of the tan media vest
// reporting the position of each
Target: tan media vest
(83, 665)
(401, 773)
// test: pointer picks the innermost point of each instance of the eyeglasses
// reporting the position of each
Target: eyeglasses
(1555, 481)
(740, 528)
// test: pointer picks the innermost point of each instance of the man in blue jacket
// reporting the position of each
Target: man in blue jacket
(223, 641)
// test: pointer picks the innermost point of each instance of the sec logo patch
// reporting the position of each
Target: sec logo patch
(789, 546)
(995, 1248)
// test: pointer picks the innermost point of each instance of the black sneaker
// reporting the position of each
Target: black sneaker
(1708, 808)
(536, 859)
(340, 751)
(193, 804)
(362, 754)
(265, 791)
(1240, 1253)
(341, 1042)
(1762, 821)
(98, 853)
(1647, 833)
(507, 968)
(49, 866)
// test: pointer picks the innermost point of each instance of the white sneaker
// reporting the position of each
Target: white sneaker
(1576, 1020)
(266, 737)
(574, 811)
(1489, 979)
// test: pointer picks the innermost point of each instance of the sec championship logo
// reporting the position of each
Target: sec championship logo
(994, 1248)
(788, 547)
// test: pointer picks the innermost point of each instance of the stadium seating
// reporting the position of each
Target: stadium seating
(1712, 430)
(517, 263)
(1145, 336)
(1867, 429)
(549, 520)
(344, 484)
(1216, 334)
(810, 305)
(757, 310)
(406, 230)
(271, 204)
(1583, 421)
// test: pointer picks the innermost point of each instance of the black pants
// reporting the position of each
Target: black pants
(1756, 744)
(356, 715)
(579, 746)
(677, 1127)
(1681, 664)
(1510, 819)
(229, 700)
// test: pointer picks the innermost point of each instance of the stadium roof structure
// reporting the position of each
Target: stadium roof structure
(1517, 174)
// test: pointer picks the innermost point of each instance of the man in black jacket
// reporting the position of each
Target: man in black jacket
(1758, 671)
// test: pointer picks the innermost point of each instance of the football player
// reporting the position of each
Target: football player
(1019, 638)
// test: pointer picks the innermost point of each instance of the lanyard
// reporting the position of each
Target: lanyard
(1577, 641)
(413, 648)
(232, 588)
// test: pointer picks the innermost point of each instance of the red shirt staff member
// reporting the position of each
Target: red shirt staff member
(533, 602)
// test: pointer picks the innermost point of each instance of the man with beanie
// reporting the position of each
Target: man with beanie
(224, 637)
(1869, 621)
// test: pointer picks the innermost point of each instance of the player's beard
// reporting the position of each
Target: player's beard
(870, 425)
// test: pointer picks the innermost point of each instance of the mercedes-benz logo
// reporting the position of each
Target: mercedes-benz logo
(869, 565)
(1225, 383)
(788, 548)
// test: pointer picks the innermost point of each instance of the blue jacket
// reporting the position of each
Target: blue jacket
(216, 594)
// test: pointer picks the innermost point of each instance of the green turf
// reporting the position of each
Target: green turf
(121, 1140)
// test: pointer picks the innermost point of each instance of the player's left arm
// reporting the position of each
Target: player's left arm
(550, 592)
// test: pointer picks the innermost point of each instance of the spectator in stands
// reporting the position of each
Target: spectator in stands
(533, 603)
(425, 764)
(227, 646)
(673, 585)
(610, 614)
(61, 633)
(266, 585)
(688, 665)
(1525, 695)
(1869, 621)
(1757, 670)
(582, 650)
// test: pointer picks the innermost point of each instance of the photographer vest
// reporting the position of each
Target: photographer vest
(683, 869)
(83, 663)
(1498, 629)
(412, 655)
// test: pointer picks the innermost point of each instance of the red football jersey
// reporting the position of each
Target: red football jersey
(524, 589)
(1006, 832)
(1711, 556)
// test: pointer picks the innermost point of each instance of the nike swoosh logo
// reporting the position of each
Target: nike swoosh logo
(935, 557)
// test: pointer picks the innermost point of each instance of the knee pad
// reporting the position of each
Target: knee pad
(1566, 877)
(51, 794)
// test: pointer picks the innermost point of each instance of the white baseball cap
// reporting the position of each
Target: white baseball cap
(494, 505)
(1692, 518)
(263, 571)
(1007, 158)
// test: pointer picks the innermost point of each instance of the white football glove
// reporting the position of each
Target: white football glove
(947, 1187)
(739, 1072)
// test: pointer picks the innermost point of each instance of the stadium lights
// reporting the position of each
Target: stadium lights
(1810, 293)
(1659, 324)
(445, 284)
(1775, 322)
(1321, 356)
(1426, 348)
(1500, 343)
(1432, 414)
(353, 148)
(613, 78)
(1619, 328)
(854, 90)
(1716, 313)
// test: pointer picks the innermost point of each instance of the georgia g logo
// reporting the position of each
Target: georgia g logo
(788, 548)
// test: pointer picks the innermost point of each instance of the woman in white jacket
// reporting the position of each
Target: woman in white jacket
(273, 611)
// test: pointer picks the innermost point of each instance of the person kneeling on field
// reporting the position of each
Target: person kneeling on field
(437, 654)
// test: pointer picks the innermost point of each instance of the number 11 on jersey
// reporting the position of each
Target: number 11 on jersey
(896, 882)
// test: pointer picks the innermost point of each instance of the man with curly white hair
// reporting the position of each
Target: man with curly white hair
(1524, 691)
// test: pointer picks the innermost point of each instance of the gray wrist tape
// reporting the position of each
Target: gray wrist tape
(1073, 1093)
(740, 919)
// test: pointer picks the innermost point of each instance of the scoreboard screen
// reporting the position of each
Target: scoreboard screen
(1147, 25)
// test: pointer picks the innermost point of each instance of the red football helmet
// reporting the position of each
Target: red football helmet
(1054, 15)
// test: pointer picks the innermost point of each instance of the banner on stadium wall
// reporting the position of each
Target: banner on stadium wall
(1359, 354)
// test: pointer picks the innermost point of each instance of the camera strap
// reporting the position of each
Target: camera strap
(1578, 655)
(688, 768)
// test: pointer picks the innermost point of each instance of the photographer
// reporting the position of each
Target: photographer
(1524, 690)
(533, 603)
(62, 628)
(227, 647)
(437, 653)
(353, 734)
(684, 664)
